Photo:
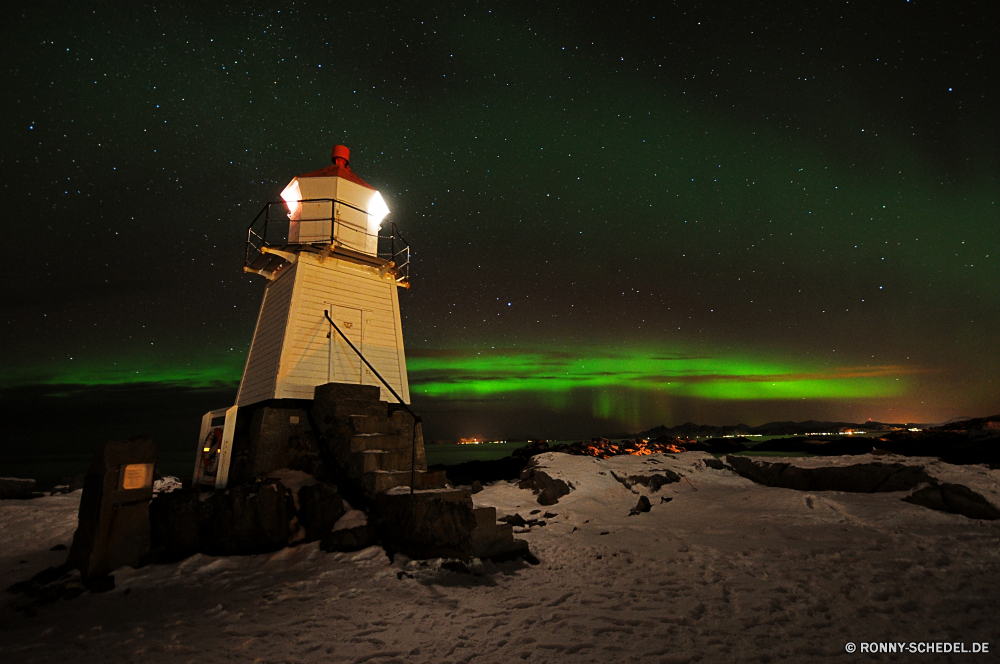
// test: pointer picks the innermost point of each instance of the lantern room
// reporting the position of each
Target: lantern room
(333, 205)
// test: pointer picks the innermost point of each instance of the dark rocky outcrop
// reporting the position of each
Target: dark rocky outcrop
(350, 539)
(925, 478)
(549, 489)
(653, 481)
(16, 488)
(54, 583)
(252, 518)
(174, 524)
(320, 506)
(518, 521)
(515, 520)
(68, 485)
(959, 447)
(956, 499)
(856, 478)
(642, 506)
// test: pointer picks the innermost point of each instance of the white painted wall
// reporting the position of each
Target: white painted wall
(354, 294)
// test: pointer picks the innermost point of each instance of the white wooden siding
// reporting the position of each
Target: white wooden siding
(307, 352)
(345, 365)
(261, 368)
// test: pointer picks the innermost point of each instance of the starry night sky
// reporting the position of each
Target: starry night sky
(623, 214)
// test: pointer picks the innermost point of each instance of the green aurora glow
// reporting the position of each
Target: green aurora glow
(451, 375)
(552, 376)
(150, 370)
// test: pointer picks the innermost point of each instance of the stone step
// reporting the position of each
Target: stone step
(380, 481)
(379, 441)
(495, 540)
(349, 407)
(372, 424)
(368, 461)
(505, 547)
(426, 524)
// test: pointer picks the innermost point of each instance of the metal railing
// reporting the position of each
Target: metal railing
(271, 229)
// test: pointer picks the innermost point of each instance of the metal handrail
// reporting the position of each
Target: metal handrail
(416, 418)
(257, 238)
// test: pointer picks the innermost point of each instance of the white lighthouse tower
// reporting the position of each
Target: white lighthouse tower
(324, 252)
(324, 388)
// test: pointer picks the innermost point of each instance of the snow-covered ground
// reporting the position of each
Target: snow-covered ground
(726, 571)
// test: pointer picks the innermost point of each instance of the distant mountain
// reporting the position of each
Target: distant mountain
(986, 424)
(692, 430)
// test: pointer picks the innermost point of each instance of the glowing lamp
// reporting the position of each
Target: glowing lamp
(377, 209)
(291, 195)
(334, 206)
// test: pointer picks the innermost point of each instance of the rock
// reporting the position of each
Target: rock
(871, 477)
(665, 499)
(68, 485)
(426, 524)
(320, 506)
(642, 506)
(174, 520)
(477, 486)
(549, 489)
(55, 583)
(956, 499)
(15, 487)
(716, 464)
(350, 539)
(514, 520)
(653, 481)
(252, 518)
(549, 515)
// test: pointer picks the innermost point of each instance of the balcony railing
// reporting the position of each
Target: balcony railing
(327, 232)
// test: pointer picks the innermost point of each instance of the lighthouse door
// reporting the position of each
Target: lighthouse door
(345, 365)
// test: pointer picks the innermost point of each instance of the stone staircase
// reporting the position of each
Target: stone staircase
(374, 449)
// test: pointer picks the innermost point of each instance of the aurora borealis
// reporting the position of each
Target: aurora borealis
(623, 216)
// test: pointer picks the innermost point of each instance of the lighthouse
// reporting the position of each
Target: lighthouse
(325, 255)
(324, 395)
(324, 388)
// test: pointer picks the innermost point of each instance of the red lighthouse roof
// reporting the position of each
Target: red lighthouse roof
(340, 168)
